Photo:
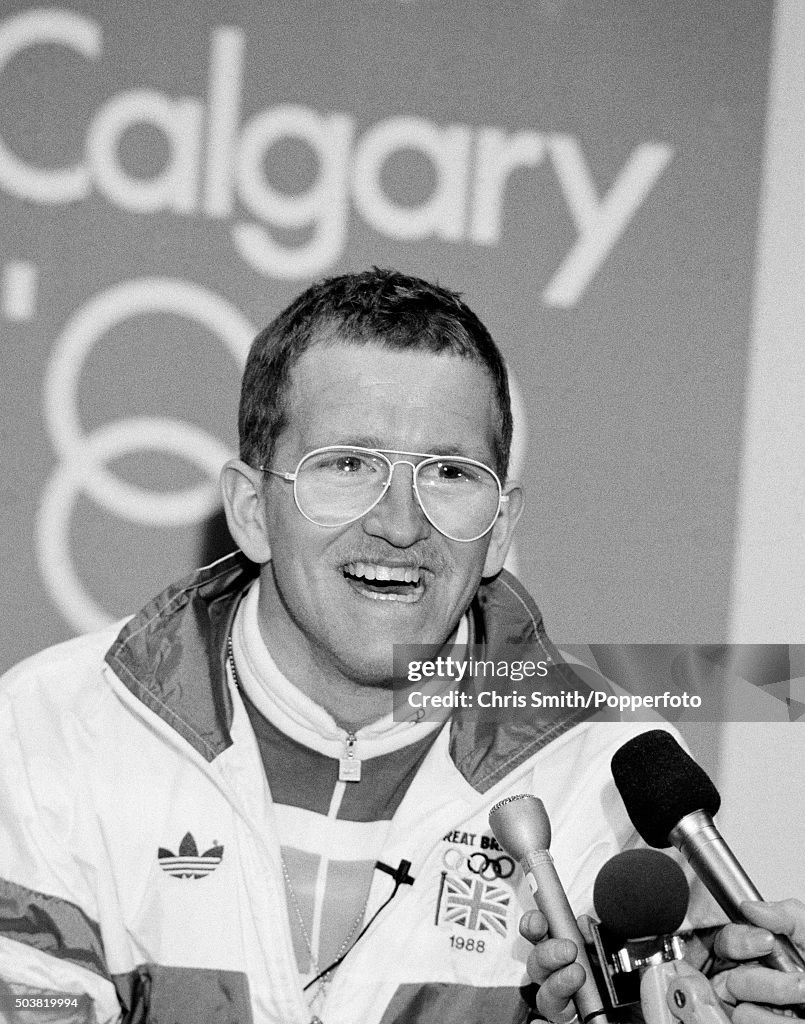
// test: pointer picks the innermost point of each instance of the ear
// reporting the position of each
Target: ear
(503, 530)
(242, 492)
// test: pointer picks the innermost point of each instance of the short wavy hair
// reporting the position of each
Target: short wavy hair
(377, 307)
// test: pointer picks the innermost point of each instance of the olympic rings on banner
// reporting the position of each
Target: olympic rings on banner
(86, 458)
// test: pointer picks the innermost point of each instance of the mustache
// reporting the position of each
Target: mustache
(422, 557)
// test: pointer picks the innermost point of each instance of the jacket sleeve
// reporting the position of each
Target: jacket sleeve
(52, 962)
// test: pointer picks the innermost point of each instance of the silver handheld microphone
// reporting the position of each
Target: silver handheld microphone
(671, 801)
(521, 826)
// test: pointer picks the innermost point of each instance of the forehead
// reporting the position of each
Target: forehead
(405, 400)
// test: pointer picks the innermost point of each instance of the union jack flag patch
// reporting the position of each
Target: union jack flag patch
(474, 904)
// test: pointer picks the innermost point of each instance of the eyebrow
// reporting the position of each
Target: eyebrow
(376, 444)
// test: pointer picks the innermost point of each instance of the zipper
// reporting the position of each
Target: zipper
(349, 764)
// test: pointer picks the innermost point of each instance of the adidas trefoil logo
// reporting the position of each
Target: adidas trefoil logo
(190, 863)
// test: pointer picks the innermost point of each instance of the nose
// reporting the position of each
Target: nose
(397, 517)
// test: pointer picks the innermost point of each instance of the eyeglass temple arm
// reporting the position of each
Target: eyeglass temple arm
(277, 472)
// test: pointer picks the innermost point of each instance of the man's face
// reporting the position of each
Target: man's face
(328, 607)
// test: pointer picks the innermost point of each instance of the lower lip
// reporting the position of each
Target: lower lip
(372, 595)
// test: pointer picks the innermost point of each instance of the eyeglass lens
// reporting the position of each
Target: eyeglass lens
(337, 486)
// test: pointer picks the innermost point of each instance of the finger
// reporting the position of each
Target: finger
(743, 942)
(696, 952)
(763, 985)
(550, 956)
(784, 917)
(719, 986)
(553, 998)
(533, 926)
(749, 1013)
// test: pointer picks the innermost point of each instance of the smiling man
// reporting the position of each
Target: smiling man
(376, 440)
(210, 813)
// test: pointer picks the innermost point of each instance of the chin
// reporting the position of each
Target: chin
(370, 660)
(372, 671)
(375, 668)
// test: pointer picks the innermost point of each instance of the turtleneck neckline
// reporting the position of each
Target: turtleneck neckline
(296, 714)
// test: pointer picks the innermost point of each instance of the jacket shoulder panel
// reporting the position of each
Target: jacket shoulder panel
(172, 655)
(507, 622)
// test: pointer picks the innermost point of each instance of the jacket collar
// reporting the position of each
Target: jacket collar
(172, 657)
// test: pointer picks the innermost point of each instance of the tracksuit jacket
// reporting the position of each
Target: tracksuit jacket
(140, 869)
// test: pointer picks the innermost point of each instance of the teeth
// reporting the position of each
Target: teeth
(402, 598)
(372, 571)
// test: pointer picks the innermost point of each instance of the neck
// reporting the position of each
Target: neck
(311, 670)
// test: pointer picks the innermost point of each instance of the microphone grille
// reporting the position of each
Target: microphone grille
(511, 799)
(520, 824)
(660, 784)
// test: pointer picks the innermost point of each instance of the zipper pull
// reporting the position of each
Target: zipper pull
(349, 766)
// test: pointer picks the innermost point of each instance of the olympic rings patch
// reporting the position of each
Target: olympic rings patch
(485, 865)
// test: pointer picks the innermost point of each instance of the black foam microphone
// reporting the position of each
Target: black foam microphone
(521, 826)
(671, 801)
(640, 894)
(641, 898)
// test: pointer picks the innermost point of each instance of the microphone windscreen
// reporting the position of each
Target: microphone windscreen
(641, 893)
(660, 784)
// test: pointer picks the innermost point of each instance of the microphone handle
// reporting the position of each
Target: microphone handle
(550, 897)
(654, 982)
(699, 1005)
(698, 839)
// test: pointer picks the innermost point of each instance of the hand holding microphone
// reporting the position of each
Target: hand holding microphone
(750, 984)
(552, 965)
(521, 826)
(643, 893)
(671, 801)
(641, 897)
